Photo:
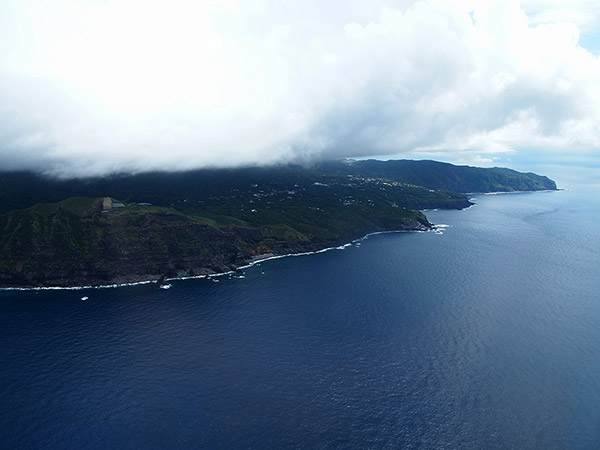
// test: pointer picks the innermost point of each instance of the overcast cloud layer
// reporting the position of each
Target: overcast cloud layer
(92, 87)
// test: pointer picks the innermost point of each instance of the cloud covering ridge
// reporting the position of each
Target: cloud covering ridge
(93, 87)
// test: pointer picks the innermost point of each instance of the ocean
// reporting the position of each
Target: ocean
(484, 336)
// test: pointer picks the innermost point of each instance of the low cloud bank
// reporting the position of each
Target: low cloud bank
(90, 87)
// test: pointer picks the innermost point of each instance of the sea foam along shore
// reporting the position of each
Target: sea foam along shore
(512, 192)
(258, 259)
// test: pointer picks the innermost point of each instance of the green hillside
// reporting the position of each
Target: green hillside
(81, 241)
(438, 175)
(127, 228)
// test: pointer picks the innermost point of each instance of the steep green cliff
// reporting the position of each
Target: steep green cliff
(82, 241)
(128, 228)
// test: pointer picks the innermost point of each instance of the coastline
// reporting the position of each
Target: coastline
(255, 260)
(512, 192)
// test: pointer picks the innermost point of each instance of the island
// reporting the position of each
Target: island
(129, 228)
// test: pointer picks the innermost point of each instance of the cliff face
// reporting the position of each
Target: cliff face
(104, 250)
(148, 226)
(58, 247)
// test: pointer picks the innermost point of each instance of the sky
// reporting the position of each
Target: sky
(92, 87)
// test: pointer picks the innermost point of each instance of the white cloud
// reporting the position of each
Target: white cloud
(97, 86)
(585, 14)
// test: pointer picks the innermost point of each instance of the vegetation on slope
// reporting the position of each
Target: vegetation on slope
(74, 232)
(438, 175)
(79, 241)
(20, 190)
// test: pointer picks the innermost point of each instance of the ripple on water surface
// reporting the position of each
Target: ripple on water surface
(483, 337)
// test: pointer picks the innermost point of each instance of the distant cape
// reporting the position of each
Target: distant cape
(439, 175)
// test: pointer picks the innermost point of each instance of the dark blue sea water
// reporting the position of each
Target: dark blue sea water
(487, 336)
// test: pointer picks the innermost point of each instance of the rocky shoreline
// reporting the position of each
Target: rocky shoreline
(219, 265)
(134, 229)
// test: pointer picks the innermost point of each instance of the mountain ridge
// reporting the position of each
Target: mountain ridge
(131, 228)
